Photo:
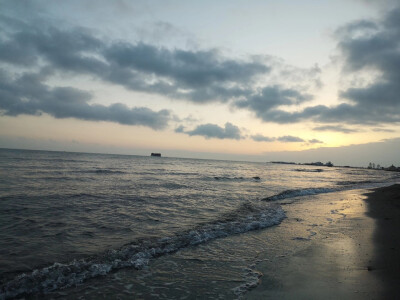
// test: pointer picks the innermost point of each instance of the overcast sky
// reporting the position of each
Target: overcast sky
(213, 79)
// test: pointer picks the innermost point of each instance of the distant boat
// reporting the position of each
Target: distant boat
(156, 154)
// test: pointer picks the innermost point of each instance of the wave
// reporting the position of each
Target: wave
(86, 195)
(53, 160)
(309, 170)
(183, 173)
(173, 186)
(246, 218)
(226, 178)
(252, 279)
(100, 171)
(342, 186)
(355, 182)
(300, 192)
(106, 171)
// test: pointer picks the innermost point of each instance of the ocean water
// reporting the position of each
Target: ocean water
(76, 225)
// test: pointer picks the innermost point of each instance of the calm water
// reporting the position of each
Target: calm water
(71, 222)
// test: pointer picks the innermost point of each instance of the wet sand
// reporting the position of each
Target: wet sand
(337, 246)
(384, 207)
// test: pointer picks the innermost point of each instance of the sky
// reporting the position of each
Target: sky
(246, 80)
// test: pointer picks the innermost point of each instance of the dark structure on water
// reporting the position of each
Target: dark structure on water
(156, 154)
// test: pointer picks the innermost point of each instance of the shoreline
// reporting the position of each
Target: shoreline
(329, 246)
(340, 245)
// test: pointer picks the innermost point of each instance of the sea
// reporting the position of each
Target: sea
(102, 226)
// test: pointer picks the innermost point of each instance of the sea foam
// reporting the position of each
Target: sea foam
(137, 254)
(300, 192)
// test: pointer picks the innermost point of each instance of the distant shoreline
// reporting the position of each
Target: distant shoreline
(392, 168)
(255, 159)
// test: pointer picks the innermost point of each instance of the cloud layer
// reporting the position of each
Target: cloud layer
(30, 52)
(198, 76)
(230, 131)
(28, 95)
(337, 128)
(366, 46)
(283, 139)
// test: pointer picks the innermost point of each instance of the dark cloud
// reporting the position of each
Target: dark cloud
(283, 139)
(262, 138)
(198, 76)
(366, 46)
(203, 76)
(27, 94)
(187, 68)
(290, 139)
(68, 50)
(230, 131)
(271, 97)
(233, 132)
(383, 130)
(342, 113)
(180, 129)
(315, 141)
(337, 128)
(283, 117)
(374, 46)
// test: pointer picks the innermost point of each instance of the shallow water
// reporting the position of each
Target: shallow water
(91, 220)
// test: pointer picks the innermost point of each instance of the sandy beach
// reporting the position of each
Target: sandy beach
(344, 245)
(384, 208)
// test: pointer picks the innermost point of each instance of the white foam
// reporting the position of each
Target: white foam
(251, 280)
(137, 255)
(301, 192)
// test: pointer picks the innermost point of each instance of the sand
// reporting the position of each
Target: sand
(384, 208)
(335, 246)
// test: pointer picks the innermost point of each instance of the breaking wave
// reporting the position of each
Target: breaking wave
(246, 218)
(301, 192)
